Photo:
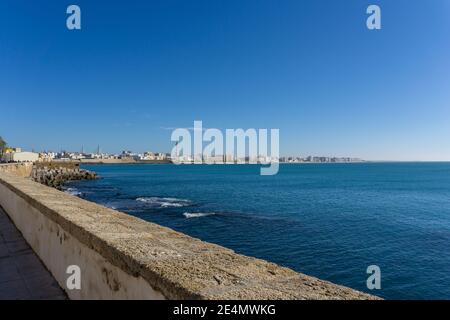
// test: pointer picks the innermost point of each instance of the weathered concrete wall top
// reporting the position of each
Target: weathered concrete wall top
(178, 266)
(57, 164)
(20, 169)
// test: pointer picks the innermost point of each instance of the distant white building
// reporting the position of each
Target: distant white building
(47, 156)
(20, 157)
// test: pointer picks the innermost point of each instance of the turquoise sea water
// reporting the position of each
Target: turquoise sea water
(327, 220)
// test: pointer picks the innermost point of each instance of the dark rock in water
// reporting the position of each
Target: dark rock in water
(55, 177)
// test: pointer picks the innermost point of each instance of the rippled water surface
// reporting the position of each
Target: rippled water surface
(327, 220)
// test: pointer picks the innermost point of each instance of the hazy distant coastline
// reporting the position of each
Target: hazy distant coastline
(121, 161)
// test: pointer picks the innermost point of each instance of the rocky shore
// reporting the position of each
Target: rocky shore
(54, 176)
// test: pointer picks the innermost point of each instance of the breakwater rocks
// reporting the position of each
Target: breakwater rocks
(56, 176)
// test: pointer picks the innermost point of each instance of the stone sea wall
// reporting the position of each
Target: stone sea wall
(19, 169)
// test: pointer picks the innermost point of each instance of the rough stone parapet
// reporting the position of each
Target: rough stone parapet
(21, 169)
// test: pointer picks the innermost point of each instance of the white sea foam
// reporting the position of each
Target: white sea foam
(73, 191)
(190, 215)
(165, 202)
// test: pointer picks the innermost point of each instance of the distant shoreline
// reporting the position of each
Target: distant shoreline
(103, 161)
(131, 162)
(119, 161)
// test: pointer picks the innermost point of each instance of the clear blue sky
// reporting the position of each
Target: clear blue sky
(310, 68)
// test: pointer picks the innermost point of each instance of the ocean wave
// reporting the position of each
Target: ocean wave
(110, 206)
(73, 191)
(190, 215)
(165, 202)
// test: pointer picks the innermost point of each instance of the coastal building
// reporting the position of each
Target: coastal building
(47, 156)
(161, 156)
(153, 156)
(148, 156)
(313, 159)
(214, 159)
(23, 156)
(11, 150)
